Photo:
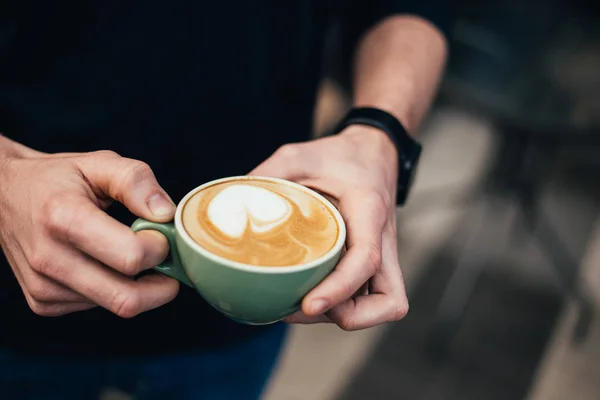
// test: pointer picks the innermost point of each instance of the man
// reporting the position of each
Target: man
(181, 93)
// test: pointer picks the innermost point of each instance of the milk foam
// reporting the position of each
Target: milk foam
(238, 207)
(259, 222)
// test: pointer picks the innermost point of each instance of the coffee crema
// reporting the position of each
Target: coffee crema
(260, 222)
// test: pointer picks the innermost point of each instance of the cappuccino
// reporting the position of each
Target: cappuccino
(260, 222)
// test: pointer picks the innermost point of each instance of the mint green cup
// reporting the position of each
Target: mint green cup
(245, 293)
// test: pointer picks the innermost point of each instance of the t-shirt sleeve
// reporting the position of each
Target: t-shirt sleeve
(358, 16)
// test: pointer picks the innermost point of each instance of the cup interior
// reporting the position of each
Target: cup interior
(337, 247)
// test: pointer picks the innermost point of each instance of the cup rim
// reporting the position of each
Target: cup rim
(284, 269)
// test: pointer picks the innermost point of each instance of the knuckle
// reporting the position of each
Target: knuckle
(62, 216)
(126, 304)
(38, 291)
(399, 308)
(135, 172)
(55, 213)
(347, 322)
(133, 261)
(375, 201)
(108, 154)
(41, 309)
(41, 262)
(288, 151)
(374, 257)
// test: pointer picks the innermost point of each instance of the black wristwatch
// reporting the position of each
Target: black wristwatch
(409, 150)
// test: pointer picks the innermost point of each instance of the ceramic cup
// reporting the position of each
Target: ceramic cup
(245, 293)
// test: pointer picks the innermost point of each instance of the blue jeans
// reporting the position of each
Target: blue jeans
(237, 373)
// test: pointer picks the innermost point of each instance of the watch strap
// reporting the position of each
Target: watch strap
(408, 149)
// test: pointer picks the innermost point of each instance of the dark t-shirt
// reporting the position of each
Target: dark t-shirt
(197, 89)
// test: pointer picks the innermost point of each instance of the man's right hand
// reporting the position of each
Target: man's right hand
(66, 252)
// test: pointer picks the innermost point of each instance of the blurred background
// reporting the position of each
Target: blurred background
(500, 241)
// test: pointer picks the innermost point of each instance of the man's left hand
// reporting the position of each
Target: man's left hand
(357, 170)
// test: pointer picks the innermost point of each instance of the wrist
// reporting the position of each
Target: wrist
(369, 137)
(10, 149)
(406, 150)
(5, 152)
(7, 148)
(379, 152)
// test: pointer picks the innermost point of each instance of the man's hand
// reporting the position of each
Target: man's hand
(358, 169)
(66, 252)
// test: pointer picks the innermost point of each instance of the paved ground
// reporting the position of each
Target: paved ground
(324, 363)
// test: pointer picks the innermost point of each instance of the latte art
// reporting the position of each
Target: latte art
(260, 222)
(240, 207)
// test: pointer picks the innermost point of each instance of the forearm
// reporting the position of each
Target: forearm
(10, 148)
(7, 151)
(398, 67)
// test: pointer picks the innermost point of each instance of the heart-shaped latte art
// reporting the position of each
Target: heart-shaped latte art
(258, 222)
(239, 207)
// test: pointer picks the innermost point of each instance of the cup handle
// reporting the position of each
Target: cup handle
(173, 268)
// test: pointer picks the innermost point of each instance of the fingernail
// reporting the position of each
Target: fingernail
(160, 205)
(319, 306)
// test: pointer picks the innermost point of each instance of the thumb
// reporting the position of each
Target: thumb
(131, 182)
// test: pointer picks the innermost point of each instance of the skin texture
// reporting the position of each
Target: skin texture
(48, 202)
(398, 67)
(67, 254)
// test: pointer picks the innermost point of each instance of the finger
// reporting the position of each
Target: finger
(80, 223)
(59, 155)
(44, 290)
(389, 279)
(386, 300)
(44, 308)
(131, 182)
(301, 318)
(289, 162)
(38, 287)
(57, 309)
(367, 311)
(365, 215)
(108, 288)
